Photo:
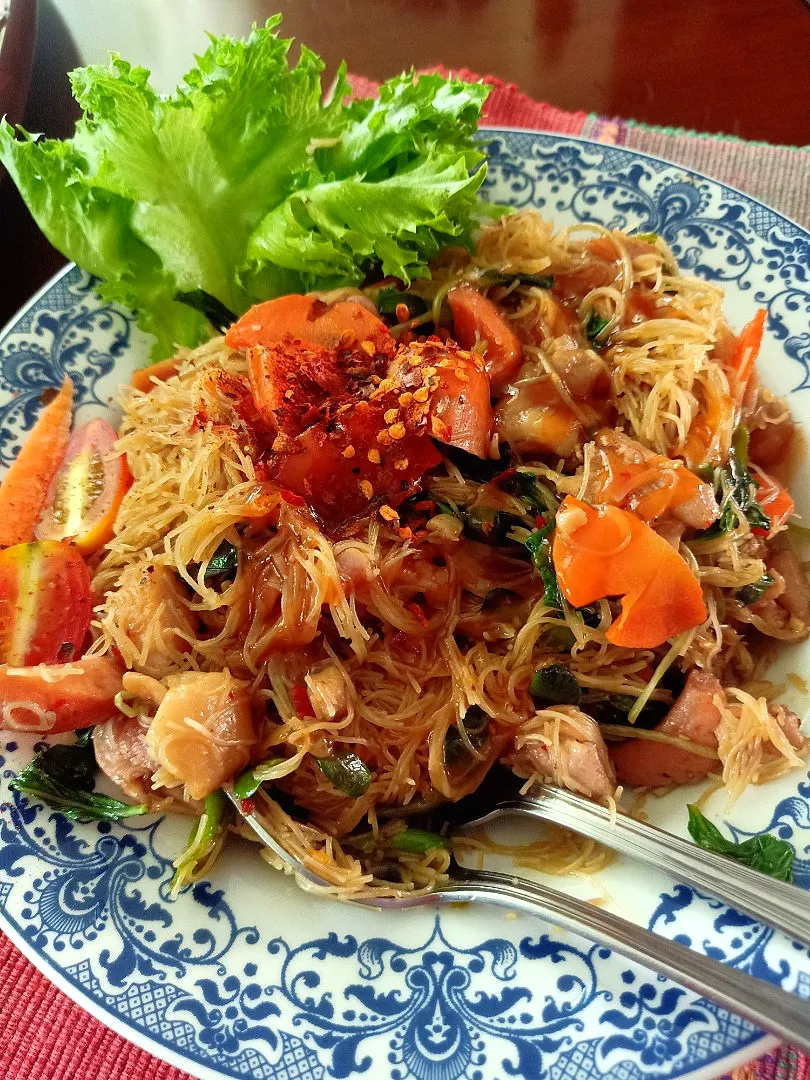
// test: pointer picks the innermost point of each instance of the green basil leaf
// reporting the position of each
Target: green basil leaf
(537, 281)
(555, 685)
(388, 300)
(595, 326)
(223, 563)
(347, 772)
(75, 803)
(750, 594)
(765, 853)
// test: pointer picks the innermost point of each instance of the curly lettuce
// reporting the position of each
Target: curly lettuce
(246, 182)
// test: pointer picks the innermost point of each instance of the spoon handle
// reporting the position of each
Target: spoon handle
(765, 1005)
(775, 903)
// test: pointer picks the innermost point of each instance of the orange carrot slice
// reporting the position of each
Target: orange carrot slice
(144, 379)
(25, 485)
(612, 552)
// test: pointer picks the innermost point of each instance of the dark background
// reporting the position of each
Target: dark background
(741, 67)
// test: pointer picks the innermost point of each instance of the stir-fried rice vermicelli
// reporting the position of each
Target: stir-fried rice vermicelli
(381, 665)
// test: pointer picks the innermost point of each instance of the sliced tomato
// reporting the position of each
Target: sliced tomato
(345, 325)
(85, 494)
(52, 698)
(292, 382)
(611, 552)
(144, 379)
(774, 499)
(477, 319)
(344, 470)
(45, 603)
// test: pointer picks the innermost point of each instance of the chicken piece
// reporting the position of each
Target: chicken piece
(795, 598)
(328, 692)
(568, 750)
(123, 756)
(154, 621)
(626, 474)
(202, 733)
(694, 716)
(583, 372)
(534, 419)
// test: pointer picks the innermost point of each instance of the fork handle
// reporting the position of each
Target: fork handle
(765, 1005)
(775, 903)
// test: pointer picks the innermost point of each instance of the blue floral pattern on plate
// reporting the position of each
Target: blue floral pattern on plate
(244, 976)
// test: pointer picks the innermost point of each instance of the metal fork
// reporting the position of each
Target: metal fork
(762, 1004)
(778, 904)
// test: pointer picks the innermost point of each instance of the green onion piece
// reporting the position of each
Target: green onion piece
(555, 685)
(249, 782)
(750, 594)
(418, 841)
(676, 648)
(765, 853)
(347, 772)
(201, 842)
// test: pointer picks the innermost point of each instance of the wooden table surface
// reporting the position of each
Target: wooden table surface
(741, 67)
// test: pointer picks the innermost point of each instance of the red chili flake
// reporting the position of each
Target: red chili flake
(301, 702)
(247, 806)
(292, 498)
(761, 532)
(424, 504)
(540, 522)
(417, 613)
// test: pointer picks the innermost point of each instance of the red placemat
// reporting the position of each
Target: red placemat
(43, 1035)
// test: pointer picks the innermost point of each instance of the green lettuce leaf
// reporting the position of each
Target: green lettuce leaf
(244, 183)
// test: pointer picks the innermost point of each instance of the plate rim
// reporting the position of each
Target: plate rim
(711, 1071)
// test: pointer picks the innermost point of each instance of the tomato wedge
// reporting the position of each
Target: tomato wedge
(612, 552)
(45, 603)
(85, 494)
(52, 698)
(476, 318)
(774, 499)
(345, 325)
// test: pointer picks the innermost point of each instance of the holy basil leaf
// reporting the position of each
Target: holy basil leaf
(223, 563)
(539, 544)
(347, 772)
(61, 779)
(750, 594)
(388, 300)
(765, 853)
(555, 685)
(595, 325)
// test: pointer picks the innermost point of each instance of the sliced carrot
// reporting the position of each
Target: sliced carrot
(748, 346)
(344, 325)
(144, 379)
(25, 485)
(612, 552)
(477, 319)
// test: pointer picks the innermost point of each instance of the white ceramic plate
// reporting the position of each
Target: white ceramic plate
(246, 976)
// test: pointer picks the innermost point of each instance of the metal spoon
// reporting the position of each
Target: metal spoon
(762, 1004)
